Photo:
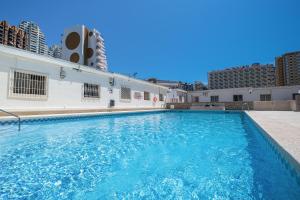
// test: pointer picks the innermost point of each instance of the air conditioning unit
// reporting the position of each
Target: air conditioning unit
(111, 81)
(111, 103)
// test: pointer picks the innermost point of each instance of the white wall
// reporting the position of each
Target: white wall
(176, 96)
(67, 93)
(249, 94)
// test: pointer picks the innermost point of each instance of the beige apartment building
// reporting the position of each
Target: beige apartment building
(255, 75)
(12, 36)
(288, 69)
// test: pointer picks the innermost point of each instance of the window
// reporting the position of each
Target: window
(294, 95)
(91, 91)
(196, 99)
(125, 93)
(214, 98)
(265, 97)
(180, 98)
(137, 95)
(238, 97)
(161, 97)
(146, 96)
(28, 85)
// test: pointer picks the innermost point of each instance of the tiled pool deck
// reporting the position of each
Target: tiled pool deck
(283, 127)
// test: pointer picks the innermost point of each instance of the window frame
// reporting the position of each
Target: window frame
(148, 95)
(214, 98)
(125, 100)
(196, 99)
(10, 85)
(161, 97)
(265, 97)
(294, 95)
(91, 97)
(238, 99)
(180, 99)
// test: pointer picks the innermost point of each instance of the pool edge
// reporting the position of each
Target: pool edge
(287, 157)
(11, 120)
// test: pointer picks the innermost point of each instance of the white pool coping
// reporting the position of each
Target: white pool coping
(283, 127)
(24, 117)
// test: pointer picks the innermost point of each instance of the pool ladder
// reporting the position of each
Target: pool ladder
(14, 115)
(246, 105)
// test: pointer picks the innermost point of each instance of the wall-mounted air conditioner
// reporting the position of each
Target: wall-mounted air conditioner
(111, 103)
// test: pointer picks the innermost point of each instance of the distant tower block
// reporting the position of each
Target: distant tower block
(79, 45)
(91, 49)
(96, 51)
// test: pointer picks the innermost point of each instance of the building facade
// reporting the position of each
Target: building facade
(32, 82)
(83, 46)
(266, 98)
(256, 75)
(288, 69)
(279, 71)
(55, 51)
(36, 38)
(12, 36)
(176, 96)
(96, 43)
(282, 93)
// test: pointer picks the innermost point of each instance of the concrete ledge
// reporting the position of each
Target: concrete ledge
(239, 105)
(274, 105)
(71, 113)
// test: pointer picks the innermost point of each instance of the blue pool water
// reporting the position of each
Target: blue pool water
(165, 155)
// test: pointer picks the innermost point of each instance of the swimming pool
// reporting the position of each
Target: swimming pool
(162, 155)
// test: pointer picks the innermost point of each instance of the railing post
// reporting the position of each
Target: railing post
(12, 114)
(19, 126)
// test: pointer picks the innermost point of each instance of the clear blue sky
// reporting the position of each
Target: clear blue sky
(172, 39)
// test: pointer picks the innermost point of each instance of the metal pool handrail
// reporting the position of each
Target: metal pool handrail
(245, 104)
(14, 115)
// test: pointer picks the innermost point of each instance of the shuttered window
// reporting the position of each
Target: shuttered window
(125, 93)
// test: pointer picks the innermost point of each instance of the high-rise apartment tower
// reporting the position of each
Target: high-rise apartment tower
(256, 75)
(288, 69)
(55, 51)
(12, 36)
(36, 38)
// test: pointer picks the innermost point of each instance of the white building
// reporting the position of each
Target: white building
(176, 96)
(83, 46)
(245, 94)
(33, 82)
(36, 38)
(55, 51)
(96, 43)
